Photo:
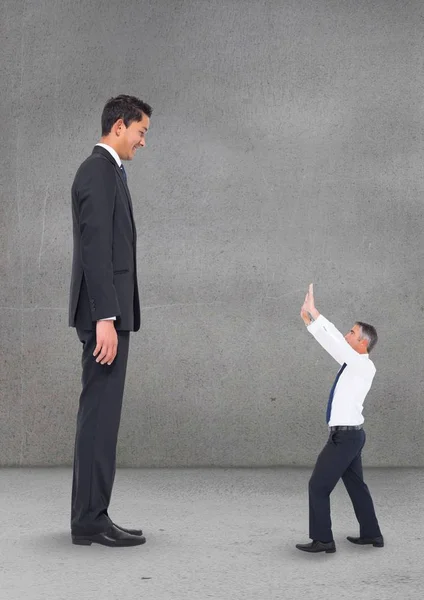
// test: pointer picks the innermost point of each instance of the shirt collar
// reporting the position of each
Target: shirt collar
(112, 152)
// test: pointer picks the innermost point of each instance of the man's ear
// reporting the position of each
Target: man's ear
(118, 126)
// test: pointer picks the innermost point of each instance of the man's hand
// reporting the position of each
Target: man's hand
(308, 312)
(309, 304)
(305, 317)
(107, 342)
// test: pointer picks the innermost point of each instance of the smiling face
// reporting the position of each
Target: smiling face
(131, 138)
(356, 341)
(127, 140)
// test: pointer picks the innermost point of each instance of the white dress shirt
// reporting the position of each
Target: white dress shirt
(118, 160)
(112, 151)
(356, 379)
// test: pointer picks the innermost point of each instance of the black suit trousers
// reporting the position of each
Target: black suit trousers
(340, 458)
(96, 435)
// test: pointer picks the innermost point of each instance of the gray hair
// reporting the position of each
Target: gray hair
(369, 333)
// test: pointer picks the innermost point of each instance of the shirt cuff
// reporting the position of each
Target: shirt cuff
(312, 327)
(108, 319)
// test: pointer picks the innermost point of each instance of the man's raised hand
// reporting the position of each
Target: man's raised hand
(310, 301)
(309, 304)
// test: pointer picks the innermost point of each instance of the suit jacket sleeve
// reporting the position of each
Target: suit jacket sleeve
(96, 194)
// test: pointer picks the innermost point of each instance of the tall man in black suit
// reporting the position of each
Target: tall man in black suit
(104, 307)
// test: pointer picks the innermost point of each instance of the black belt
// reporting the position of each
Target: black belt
(344, 427)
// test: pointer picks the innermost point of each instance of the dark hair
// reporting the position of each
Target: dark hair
(369, 333)
(127, 108)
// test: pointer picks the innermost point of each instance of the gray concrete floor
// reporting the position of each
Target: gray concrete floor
(211, 533)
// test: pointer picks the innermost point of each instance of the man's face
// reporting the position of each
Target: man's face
(353, 338)
(131, 138)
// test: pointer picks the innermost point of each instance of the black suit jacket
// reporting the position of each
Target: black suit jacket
(104, 266)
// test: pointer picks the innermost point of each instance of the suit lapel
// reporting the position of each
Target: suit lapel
(108, 155)
(127, 191)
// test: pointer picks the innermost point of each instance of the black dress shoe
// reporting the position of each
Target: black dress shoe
(130, 531)
(377, 542)
(316, 546)
(114, 537)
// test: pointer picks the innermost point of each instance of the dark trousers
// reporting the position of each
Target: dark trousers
(340, 458)
(96, 435)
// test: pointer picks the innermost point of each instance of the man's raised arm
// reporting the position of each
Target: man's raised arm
(324, 332)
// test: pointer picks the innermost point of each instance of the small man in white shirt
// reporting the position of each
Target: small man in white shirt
(341, 456)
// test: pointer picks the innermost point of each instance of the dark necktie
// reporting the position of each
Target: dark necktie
(333, 389)
(123, 172)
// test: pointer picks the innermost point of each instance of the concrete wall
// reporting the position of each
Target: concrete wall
(286, 147)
